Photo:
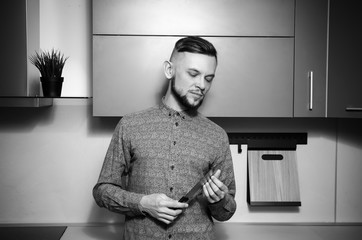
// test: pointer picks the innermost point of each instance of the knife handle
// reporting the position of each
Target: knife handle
(184, 199)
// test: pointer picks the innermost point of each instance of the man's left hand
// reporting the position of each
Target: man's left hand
(215, 190)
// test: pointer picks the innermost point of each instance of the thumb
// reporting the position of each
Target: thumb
(172, 203)
(217, 173)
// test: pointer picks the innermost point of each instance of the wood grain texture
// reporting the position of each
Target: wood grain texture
(273, 180)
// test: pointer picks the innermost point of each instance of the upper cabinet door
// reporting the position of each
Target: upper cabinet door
(201, 17)
(19, 22)
(345, 51)
(311, 23)
(254, 77)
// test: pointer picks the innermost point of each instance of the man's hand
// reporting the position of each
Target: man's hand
(214, 190)
(161, 207)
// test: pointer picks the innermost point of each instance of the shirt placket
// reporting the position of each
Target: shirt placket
(175, 140)
(172, 166)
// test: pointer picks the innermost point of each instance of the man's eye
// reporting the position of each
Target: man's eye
(209, 79)
(193, 74)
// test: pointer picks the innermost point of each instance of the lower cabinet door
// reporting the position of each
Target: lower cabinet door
(254, 77)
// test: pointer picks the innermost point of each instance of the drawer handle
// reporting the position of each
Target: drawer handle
(310, 76)
(354, 109)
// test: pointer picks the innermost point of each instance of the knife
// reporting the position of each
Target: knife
(196, 189)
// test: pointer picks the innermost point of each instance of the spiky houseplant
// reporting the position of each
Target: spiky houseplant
(50, 65)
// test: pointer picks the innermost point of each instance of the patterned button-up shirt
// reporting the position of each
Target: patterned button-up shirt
(159, 150)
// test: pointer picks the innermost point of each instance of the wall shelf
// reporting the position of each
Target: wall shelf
(31, 102)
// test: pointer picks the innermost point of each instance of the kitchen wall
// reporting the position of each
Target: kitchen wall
(50, 158)
(67, 25)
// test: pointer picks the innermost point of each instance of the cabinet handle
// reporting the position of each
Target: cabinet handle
(310, 76)
(354, 109)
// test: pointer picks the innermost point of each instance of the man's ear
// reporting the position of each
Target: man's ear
(168, 69)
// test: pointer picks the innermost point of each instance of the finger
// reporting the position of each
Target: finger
(169, 215)
(166, 216)
(172, 212)
(215, 192)
(213, 186)
(219, 189)
(164, 220)
(206, 194)
(210, 194)
(219, 184)
(217, 173)
(176, 204)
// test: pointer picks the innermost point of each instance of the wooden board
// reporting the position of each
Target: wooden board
(273, 178)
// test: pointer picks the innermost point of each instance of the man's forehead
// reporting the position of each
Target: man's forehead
(188, 57)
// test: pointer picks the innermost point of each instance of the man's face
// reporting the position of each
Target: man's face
(192, 79)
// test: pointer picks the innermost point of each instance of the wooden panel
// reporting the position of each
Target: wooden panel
(273, 177)
(254, 75)
(202, 17)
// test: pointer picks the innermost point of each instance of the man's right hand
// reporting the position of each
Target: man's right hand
(161, 207)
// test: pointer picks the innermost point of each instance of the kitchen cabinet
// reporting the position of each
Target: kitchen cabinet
(20, 37)
(254, 39)
(202, 17)
(310, 73)
(19, 23)
(345, 51)
(254, 77)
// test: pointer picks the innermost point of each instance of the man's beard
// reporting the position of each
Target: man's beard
(183, 98)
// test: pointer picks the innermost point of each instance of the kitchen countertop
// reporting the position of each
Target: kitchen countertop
(237, 231)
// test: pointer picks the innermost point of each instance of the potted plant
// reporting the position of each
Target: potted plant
(50, 65)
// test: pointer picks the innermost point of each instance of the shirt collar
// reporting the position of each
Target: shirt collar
(170, 112)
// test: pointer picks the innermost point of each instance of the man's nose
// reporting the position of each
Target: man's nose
(201, 83)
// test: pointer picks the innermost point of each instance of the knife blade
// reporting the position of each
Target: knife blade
(197, 188)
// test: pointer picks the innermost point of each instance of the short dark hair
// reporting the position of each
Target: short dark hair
(194, 44)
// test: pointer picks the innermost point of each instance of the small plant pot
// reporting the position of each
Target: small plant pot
(52, 87)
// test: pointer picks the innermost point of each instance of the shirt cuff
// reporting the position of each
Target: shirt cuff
(135, 208)
(226, 203)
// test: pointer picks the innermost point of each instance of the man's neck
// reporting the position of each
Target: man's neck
(173, 103)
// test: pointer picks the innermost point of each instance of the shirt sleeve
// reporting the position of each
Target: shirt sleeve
(110, 191)
(225, 209)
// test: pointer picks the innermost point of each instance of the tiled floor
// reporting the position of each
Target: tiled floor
(237, 231)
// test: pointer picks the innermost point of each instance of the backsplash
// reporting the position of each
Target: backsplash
(51, 158)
